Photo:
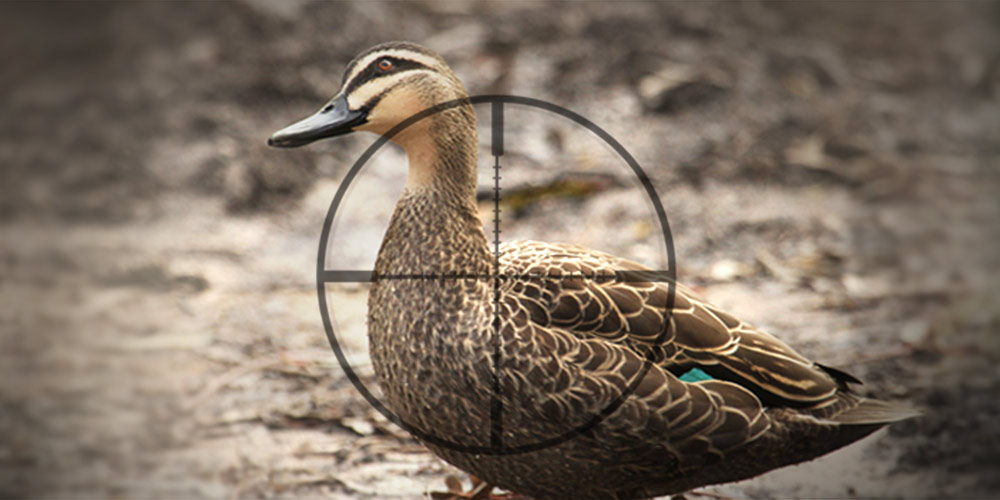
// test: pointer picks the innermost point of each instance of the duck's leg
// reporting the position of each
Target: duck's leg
(703, 493)
(481, 490)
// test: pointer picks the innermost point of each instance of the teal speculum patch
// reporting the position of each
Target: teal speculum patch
(695, 375)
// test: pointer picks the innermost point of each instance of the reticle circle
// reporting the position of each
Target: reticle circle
(324, 276)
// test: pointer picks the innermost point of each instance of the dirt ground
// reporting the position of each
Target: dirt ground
(830, 172)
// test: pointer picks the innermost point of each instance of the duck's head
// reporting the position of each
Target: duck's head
(383, 86)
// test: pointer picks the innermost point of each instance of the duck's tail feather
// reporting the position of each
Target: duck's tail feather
(873, 411)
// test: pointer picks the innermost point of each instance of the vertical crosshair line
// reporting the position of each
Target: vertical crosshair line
(496, 404)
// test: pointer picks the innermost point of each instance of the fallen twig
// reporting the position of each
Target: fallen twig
(241, 370)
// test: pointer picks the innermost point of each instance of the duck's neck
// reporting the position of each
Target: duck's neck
(442, 154)
(436, 227)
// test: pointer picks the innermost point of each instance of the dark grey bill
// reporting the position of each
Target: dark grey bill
(336, 118)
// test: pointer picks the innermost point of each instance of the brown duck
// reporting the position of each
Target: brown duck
(535, 369)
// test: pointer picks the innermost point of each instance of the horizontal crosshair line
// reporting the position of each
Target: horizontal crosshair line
(619, 276)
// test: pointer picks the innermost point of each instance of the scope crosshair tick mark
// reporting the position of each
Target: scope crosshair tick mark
(496, 445)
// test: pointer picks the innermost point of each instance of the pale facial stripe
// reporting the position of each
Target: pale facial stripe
(363, 95)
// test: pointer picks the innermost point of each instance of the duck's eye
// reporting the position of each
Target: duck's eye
(385, 65)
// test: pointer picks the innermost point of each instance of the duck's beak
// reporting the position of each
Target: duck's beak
(336, 118)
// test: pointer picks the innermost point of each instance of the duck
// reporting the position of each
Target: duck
(531, 367)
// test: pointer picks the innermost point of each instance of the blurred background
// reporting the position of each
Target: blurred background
(830, 171)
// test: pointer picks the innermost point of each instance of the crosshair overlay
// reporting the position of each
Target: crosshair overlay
(324, 276)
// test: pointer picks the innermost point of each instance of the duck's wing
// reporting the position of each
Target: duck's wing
(572, 290)
(592, 335)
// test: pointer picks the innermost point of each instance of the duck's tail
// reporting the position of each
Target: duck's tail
(873, 411)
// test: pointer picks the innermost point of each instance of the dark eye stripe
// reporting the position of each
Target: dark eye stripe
(372, 71)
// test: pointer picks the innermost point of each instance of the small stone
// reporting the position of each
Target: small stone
(808, 153)
(728, 270)
(360, 426)
(677, 86)
(915, 332)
